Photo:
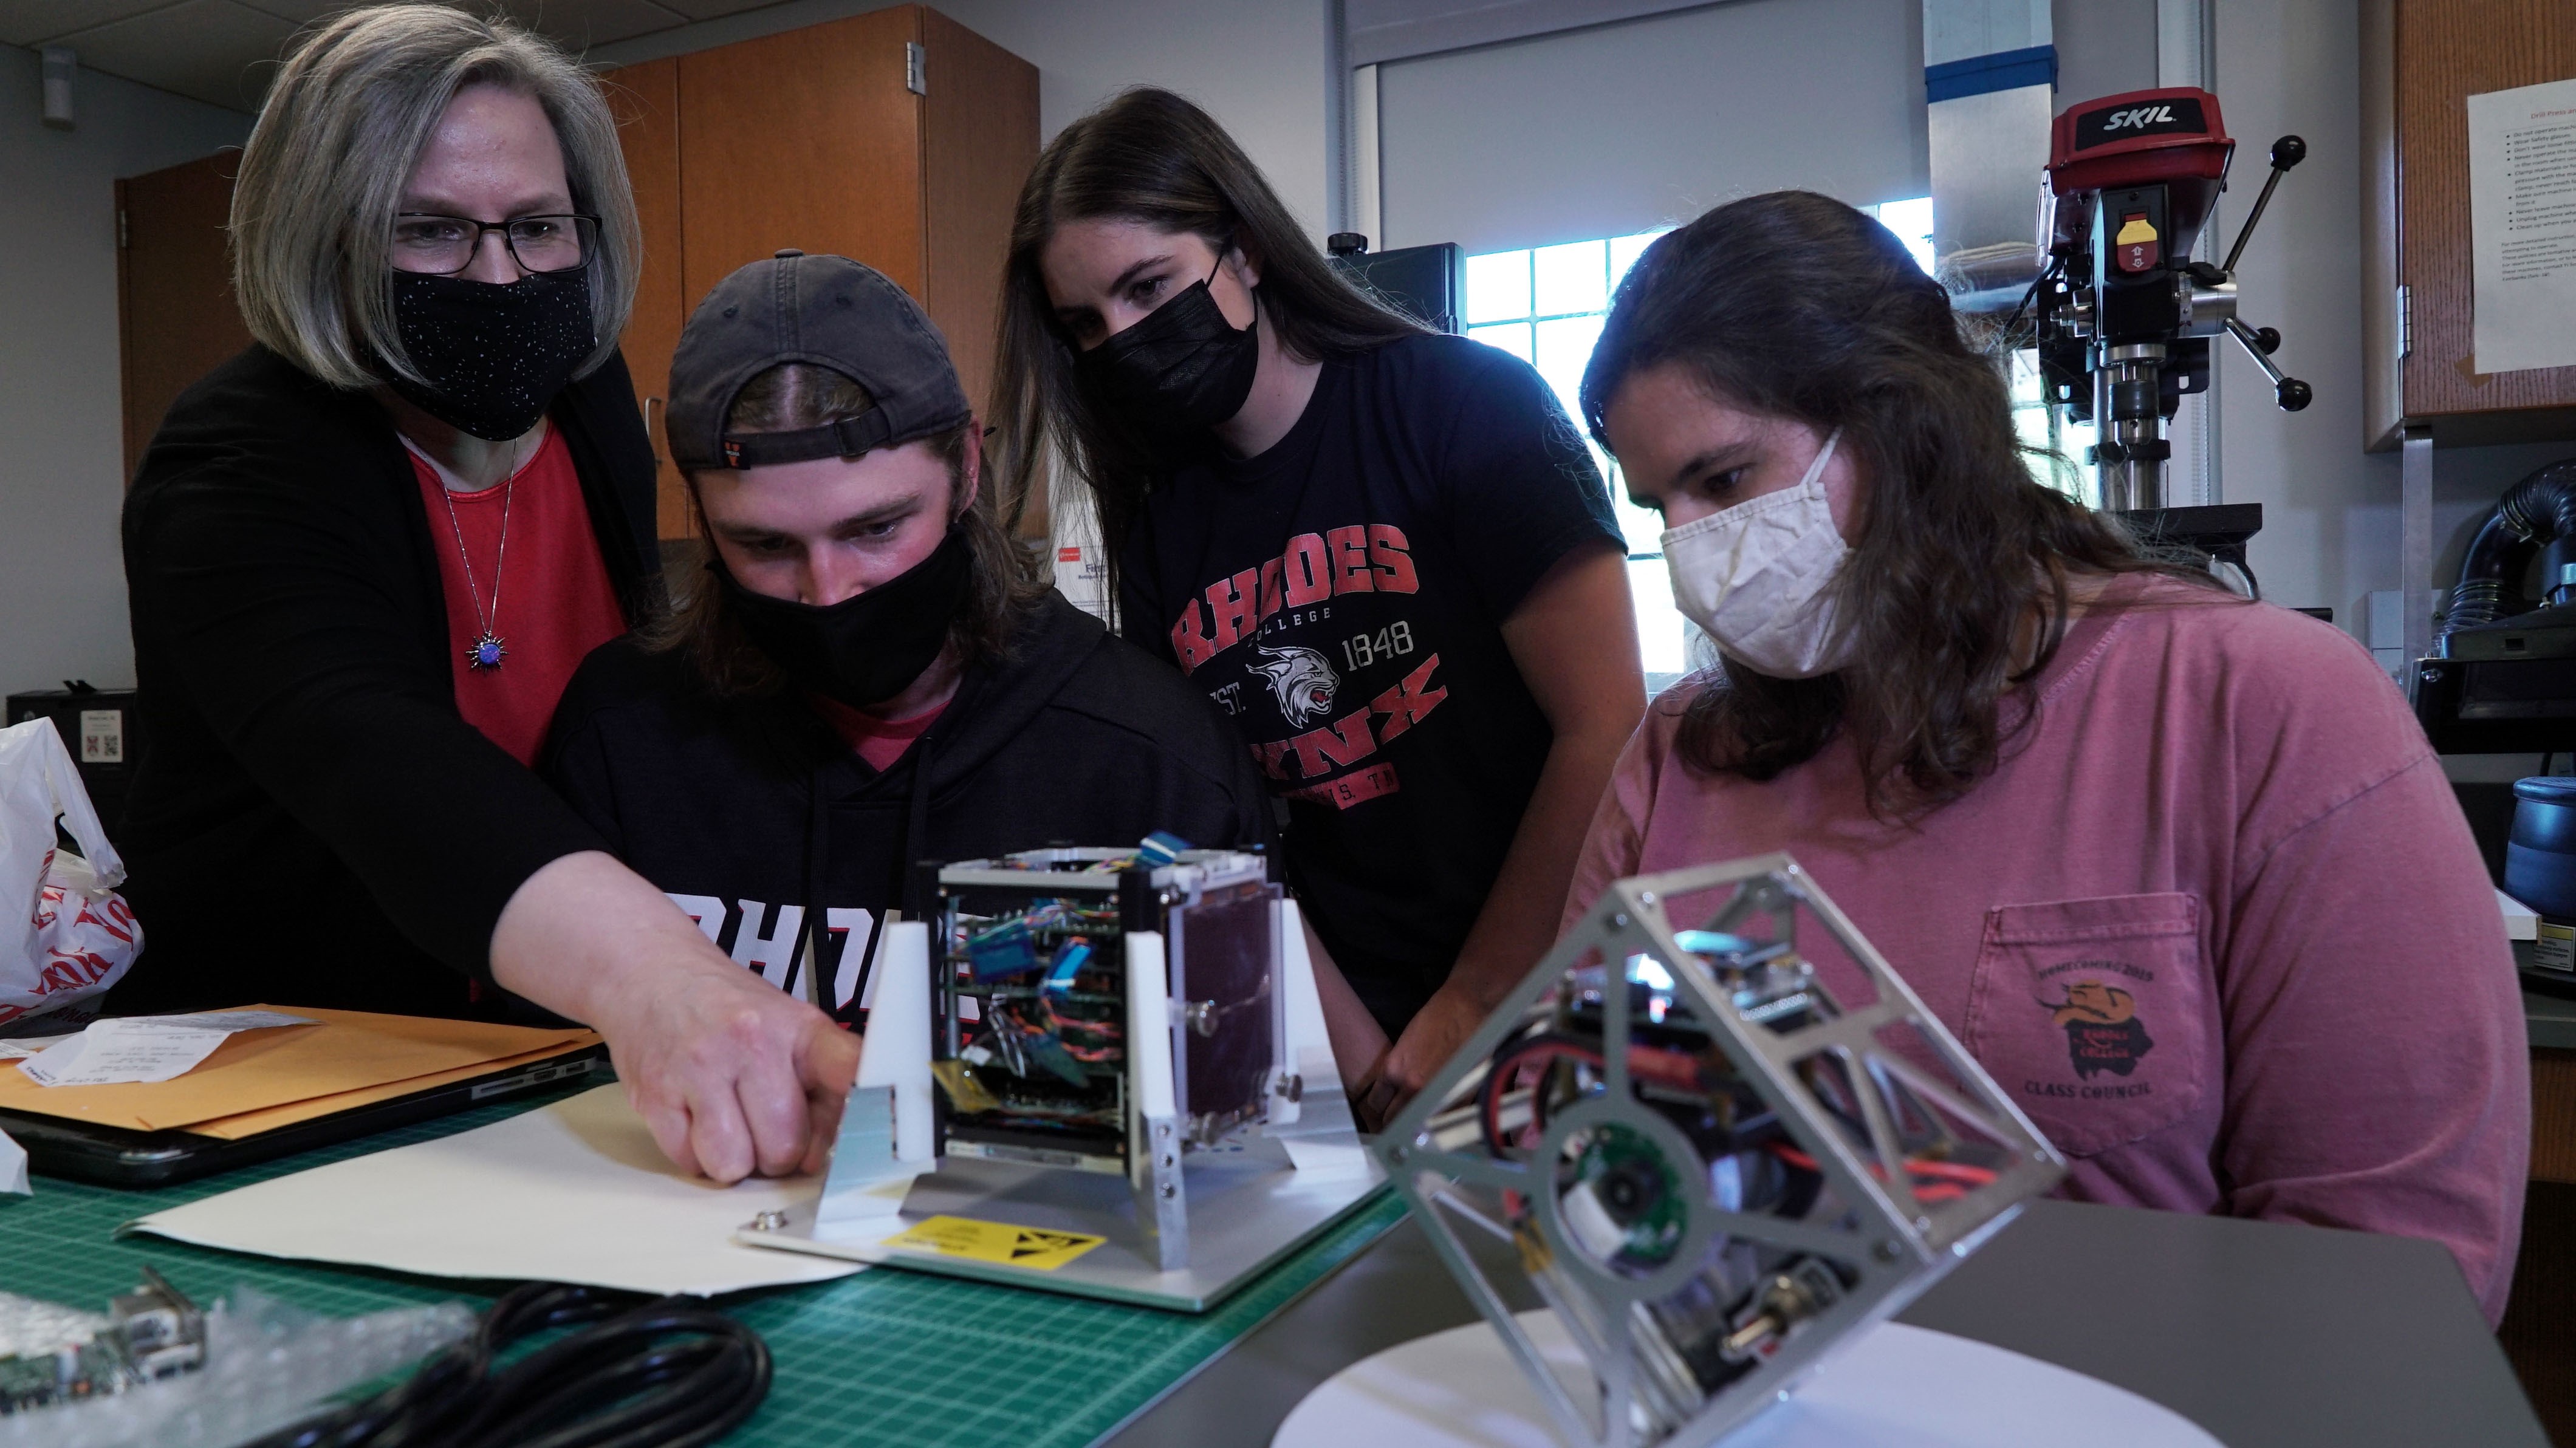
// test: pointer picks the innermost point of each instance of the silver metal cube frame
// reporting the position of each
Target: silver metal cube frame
(1890, 1240)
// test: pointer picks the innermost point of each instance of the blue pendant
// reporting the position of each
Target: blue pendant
(486, 653)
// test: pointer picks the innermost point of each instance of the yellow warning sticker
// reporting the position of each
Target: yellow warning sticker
(1002, 1242)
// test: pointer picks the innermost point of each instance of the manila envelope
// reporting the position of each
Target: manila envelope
(252, 1123)
(354, 1053)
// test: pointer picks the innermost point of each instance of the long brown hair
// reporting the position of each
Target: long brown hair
(1796, 305)
(1152, 157)
(793, 396)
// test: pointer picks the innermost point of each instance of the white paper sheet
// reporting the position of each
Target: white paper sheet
(2522, 226)
(144, 1048)
(13, 1168)
(1893, 1387)
(573, 1192)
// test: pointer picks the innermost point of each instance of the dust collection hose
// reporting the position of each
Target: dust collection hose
(2539, 510)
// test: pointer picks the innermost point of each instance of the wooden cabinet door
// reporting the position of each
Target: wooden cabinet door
(646, 100)
(2445, 51)
(175, 310)
(807, 139)
(979, 141)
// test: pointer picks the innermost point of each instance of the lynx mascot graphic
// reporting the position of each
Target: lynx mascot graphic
(1304, 683)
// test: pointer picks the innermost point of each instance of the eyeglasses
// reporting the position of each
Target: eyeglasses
(445, 245)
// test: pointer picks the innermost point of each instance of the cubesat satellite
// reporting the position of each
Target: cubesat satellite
(1079, 1047)
(1109, 1011)
(1713, 1171)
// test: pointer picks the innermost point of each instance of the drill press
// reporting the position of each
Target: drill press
(2126, 317)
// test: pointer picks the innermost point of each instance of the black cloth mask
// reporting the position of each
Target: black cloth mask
(495, 355)
(870, 646)
(1182, 367)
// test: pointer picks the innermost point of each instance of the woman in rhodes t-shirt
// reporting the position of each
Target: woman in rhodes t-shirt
(1385, 552)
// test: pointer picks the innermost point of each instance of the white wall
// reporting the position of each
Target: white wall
(2289, 66)
(1616, 129)
(1263, 68)
(62, 441)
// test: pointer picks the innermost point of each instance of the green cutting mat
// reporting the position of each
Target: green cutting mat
(883, 1357)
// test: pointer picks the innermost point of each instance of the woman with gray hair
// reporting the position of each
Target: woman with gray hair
(365, 556)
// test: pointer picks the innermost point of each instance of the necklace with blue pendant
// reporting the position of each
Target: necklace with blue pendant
(487, 651)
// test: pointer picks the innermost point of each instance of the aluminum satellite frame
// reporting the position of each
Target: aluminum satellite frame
(1889, 1241)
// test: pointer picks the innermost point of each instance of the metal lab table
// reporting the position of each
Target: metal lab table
(2264, 1334)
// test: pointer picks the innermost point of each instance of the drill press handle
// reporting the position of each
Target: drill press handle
(2290, 392)
(2286, 153)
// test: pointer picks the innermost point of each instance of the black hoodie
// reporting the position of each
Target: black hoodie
(755, 813)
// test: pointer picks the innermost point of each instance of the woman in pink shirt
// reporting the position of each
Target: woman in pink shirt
(2179, 869)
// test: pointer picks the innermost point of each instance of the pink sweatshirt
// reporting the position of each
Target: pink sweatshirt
(2216, 924)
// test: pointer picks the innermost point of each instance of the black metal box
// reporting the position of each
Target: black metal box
(102, 730)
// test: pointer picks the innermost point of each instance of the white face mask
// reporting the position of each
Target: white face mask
(1754, 577)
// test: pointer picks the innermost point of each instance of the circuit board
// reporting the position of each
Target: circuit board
(52, 1354)
(1031, 1054)
(1038, 998)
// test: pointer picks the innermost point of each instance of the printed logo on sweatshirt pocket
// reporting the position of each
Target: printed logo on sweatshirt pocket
(2095, 1014)
(2103, 1032)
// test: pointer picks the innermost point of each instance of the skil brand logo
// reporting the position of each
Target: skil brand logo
(1375, 558)
(2179, 115)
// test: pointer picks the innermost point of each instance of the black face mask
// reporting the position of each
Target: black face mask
(495, 355)
(869, 647)
(1182, 367)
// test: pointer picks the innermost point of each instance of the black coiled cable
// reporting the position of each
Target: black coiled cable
(670, 1373)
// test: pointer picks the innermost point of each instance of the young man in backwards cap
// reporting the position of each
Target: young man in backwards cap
(868, 676)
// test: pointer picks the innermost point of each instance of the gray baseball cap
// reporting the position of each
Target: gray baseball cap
(827, 310)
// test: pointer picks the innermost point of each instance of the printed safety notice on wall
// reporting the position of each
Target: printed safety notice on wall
(2522, 226)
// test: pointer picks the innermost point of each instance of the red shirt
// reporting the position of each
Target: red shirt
(2224, 821)
(554, 603)
(879, 741)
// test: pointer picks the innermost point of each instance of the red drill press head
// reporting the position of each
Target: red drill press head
(2140, 138)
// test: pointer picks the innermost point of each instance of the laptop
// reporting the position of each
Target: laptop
(118, 1157)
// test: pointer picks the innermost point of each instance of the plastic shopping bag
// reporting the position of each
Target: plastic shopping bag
(65, 937)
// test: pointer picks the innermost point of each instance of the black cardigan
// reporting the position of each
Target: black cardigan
(314, 823)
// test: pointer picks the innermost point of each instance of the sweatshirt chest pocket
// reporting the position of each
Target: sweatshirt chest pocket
(2093, 1015)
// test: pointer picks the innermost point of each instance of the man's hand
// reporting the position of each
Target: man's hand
(1429, 1040)
(731, 1074)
